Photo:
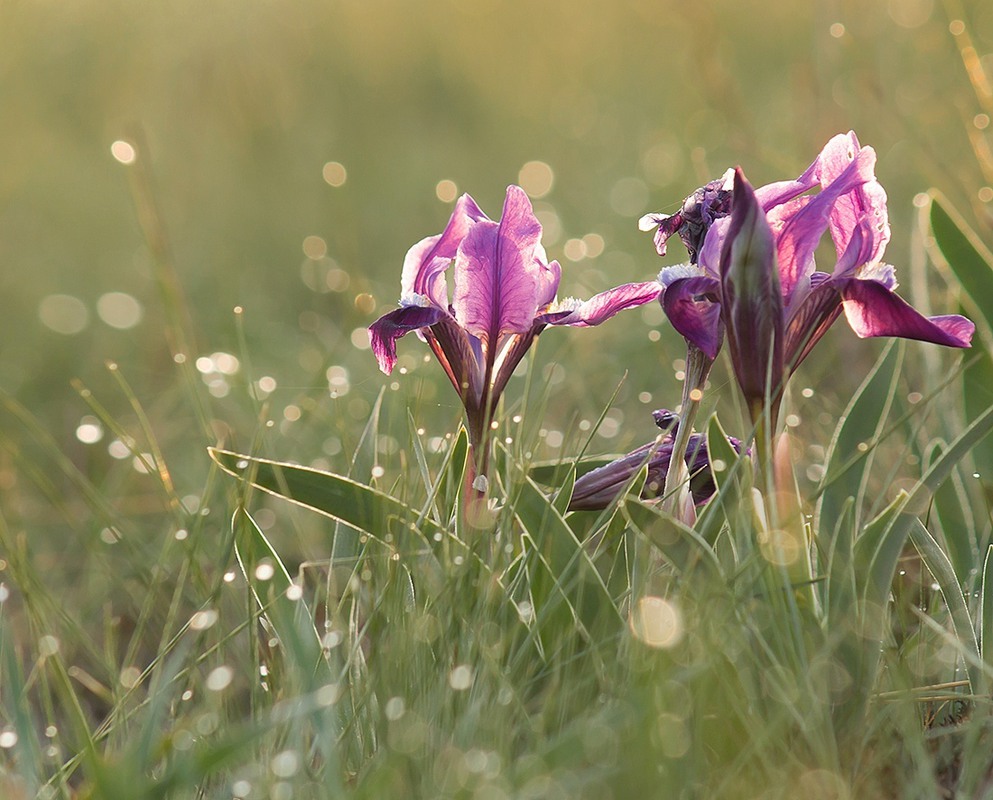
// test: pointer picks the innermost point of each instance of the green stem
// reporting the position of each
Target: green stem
(697, 369)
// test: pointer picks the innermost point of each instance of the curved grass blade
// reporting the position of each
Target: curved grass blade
(567, 560)
(682, 546)
(941, 568)
(369, 510)
(958, 527)
(270, 586)
(986, 620)
(849, 454)
(874, 561)
(876, 552)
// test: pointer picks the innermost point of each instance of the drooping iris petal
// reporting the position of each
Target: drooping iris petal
(604, 305)
(425, 264)
(873, 310)
(751, 304)
(693, 307)
(385, 331)
(495, 288)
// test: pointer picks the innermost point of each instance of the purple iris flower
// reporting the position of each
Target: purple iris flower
(600, 487)
(503, 295)
(752, 269)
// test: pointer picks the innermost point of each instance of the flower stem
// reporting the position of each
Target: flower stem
(676, 480)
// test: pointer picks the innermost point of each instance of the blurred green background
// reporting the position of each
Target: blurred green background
(297, 149)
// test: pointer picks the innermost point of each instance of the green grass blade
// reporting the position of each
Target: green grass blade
(565, 555)
(967, 257)
(977, 384)
(564, 495)
(958, 527)
(986, 599)
(682, 546)
(270, 588)
(848, 458)
(876, 553)
(941, 568)
(840, 588)
(16, 709)
(343, 499)
(730, 472)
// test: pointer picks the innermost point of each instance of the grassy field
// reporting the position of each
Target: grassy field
(203, 208)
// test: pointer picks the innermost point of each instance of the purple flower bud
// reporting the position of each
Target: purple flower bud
(600, 487)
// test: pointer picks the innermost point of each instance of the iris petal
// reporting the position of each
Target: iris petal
(604, 305)
(385, 331)
(496, 286)
(693, 307)
(873, 310)
(426, 262)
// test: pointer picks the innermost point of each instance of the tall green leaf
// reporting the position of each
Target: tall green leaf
(967, 257)
(369, 510)
(848, 458)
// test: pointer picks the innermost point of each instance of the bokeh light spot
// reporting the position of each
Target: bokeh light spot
(118, 449)
(657, 622)
(536, 178)
(574, 249)
(594, 244)
(334, 174)
(202, 620)
(446, 190)
(123, 151)
(89, 430)
(365, 303)
(629, 197)
(779, 547)
(119, 310)
(338, 383)
(360, 339)
(315, 247)
(551, 225)
(63, 314)
(219, 678)
(460, 678)
(910, 13)
(837, 30)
